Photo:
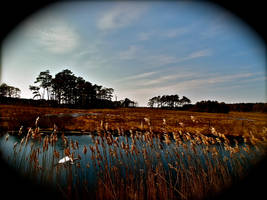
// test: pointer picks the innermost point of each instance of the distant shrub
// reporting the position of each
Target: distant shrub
(248, 107)
(187, 107)
(211, 107)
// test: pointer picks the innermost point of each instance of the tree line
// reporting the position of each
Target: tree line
(66, 88)
(9, 91)
(211, 107)
(170, 101)
(248, 107)
(69, 90)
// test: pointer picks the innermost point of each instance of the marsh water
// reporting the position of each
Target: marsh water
(89, 167)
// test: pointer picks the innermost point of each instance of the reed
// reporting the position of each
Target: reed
(146, 164)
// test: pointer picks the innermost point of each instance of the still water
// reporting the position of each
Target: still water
(101, 155)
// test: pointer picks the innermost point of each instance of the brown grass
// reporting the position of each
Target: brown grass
(184, 177)
(234, 123)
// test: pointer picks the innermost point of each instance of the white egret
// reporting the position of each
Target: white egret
(66, 160)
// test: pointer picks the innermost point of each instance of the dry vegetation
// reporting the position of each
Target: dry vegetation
(234, 123)
(145, 165)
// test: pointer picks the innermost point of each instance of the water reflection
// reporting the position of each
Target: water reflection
(137, 154)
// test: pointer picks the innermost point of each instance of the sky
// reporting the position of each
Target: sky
(141, 49)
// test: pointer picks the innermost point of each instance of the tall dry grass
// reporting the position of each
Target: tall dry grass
(139, 163)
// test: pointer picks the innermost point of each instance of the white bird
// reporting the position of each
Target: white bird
(67, 159)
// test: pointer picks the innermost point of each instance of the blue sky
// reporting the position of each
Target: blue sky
(141, 49)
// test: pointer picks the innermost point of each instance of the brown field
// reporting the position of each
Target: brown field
(141, 165)
(234, 123)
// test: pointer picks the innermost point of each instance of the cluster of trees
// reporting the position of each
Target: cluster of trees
(9, 91)
(248, 107)
(216, 107)
(211, 107)
(170, 101)
(66, 88)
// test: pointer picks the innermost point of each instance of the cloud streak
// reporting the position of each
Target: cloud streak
(198, 54)
(175, 32)
(164, 79)
(139, 76)
(53, 34)
(194, 82)
(130, 53)
(159, 60)
(161, 86)
(121, 15)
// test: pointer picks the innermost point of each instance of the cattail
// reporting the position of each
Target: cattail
(106, 126)
(16, 143)
(65, 140)
(30, 132)
(218, 140)
(167, 139)
(20, 130)
(55, 127)
(132, 148)
(31, 145)
(176, 136)
(127, 146)
(109, 140)
(92, 148)
(67, 152)
(36, 121)
(147, 120)
(77, 144)
(188, 137)
(72, 144)
(122, 145)
(56, 154)
(84, 149)
(141, 125)
(7, 136)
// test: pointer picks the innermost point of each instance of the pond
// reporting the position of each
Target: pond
(71, 114)
(108, 159)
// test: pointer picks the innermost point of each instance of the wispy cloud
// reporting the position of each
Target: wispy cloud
(54, 35)
(219, 24)
(175, 32)
(130, 53)
(139, 76)
(121, 15)
(144, 35)
(206, 81)
(161, 60)
(164, 79)
(197, 54)
(171, 33)
(163, 84)
(203, 83)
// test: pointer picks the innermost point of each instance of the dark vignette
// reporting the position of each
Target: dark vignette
(14, 186)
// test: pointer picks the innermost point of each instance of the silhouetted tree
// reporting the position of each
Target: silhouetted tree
(170, 101)
(211, 106)
(9, 91)
(128, 103)
(185, 100)
(44, 78)
(152, 101)
(66, 88)
(35, 91)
